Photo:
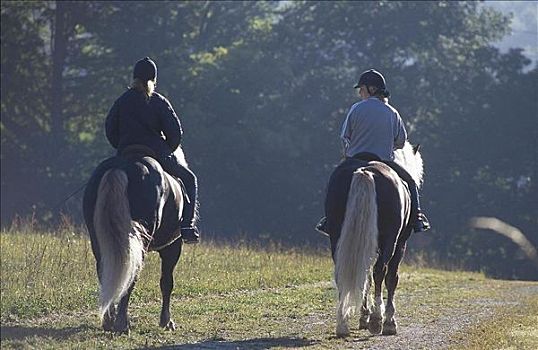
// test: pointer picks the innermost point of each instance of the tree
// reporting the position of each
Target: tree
(262, 89)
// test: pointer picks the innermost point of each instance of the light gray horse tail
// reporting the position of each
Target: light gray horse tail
(119, 239)
(357, 247)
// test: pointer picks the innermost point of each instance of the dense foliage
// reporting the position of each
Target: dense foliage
(262, 88)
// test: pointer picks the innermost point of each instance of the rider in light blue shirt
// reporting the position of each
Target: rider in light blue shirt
(372, 130)
(373, 126)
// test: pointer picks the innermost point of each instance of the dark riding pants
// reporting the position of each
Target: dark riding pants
(172, 166)
(336, 198)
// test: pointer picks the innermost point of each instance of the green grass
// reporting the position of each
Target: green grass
(41, 273)
(232, 296)
(44, 273)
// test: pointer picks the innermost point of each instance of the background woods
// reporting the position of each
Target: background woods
(262, 89)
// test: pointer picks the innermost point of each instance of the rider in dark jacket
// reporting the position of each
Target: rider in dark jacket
(141, 116)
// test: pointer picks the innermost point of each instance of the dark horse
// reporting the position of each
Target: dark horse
(131, 206)
(374, 232)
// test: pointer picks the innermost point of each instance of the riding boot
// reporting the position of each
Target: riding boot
(189, 231)
(421, 223)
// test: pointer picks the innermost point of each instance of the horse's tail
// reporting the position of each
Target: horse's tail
(119, 239)
(357, 245)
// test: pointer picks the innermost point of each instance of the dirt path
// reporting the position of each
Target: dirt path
(446, 329)
(447, 325)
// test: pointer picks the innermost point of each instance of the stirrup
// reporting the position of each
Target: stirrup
(321, 227)
(422, 224)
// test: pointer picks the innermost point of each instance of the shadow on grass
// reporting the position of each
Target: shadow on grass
(363, 338)
(21, 333)
(251, 344)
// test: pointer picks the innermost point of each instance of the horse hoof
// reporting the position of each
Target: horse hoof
(170, 326)
(108, 324)
(342, 330)
(108, 327)
(120, 331)
(389, 328)
(109, 319)
(363, 323)
(121, 327)
(375, 325)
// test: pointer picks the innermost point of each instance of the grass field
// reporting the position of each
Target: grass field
(238, 295)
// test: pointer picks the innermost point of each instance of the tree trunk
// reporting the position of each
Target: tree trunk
(59, 52)
(57, 145)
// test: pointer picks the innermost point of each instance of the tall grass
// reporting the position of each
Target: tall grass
(42, 271)
(45, 271)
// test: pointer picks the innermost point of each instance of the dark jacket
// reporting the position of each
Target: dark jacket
(135, 120)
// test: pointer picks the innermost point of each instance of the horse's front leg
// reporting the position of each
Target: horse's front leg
(391, 282)
(121, 323)
(169, 258)
(376, 317)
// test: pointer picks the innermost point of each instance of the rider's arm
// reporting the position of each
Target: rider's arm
(345, 135)
(112, 125)
(400, 134)
(171, 126)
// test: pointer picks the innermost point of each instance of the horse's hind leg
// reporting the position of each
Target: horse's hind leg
(365, 311)
(121, 324)
(391, 282)
(109, 318)
(110, 315)
(169, 258)
(376, 317)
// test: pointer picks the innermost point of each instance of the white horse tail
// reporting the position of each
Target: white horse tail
(119, 239)
(357, 247)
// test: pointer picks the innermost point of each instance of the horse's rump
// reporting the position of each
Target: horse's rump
(155, 198)
(393, 206)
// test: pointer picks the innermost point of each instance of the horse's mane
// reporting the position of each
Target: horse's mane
(180, 155)
(410, 161)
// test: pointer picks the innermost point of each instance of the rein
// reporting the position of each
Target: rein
(63, 201)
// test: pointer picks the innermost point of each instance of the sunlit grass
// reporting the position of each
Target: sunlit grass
(55, 271)
(45, 272)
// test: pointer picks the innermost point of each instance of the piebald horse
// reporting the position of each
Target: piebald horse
(374, 232)
(132, 206)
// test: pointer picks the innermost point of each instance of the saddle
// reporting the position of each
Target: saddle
(366, 156)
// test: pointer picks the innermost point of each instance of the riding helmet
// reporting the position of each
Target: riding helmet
(372, 78)
(145, 69)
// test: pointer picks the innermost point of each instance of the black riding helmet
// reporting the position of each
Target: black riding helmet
(145, 69)
(373, 78)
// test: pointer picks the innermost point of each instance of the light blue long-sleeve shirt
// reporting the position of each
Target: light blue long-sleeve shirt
(373, 126)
